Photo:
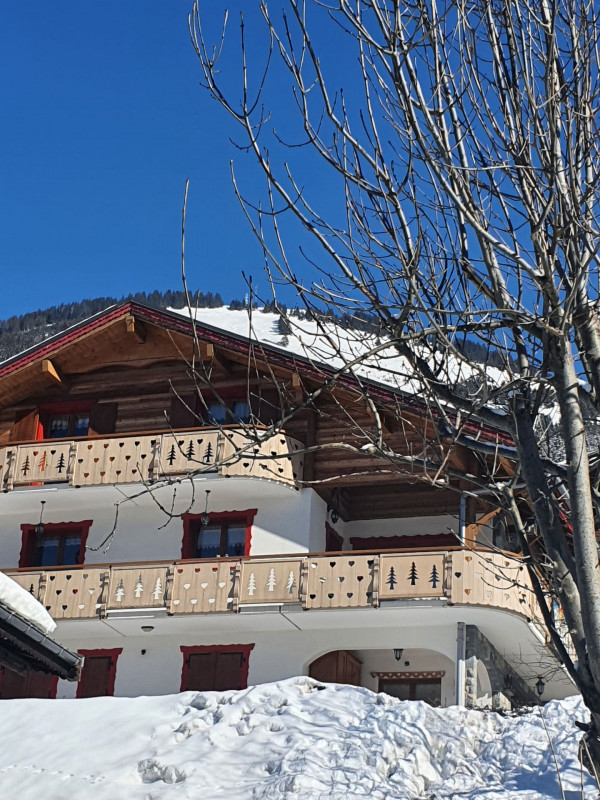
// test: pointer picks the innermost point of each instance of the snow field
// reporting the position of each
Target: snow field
(292, 740)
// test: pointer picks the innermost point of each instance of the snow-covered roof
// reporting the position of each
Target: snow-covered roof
(19, 600)
(371, 356)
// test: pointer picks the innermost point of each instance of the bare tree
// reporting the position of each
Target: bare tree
(462, 142)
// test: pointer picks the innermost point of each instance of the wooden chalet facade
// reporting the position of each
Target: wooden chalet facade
(183, 543)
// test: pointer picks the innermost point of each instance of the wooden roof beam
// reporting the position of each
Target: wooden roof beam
(135, 328)
(51, 372)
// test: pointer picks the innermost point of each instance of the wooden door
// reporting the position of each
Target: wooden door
(339, 666)
(214, 671)
(95, 680)
(32, 684)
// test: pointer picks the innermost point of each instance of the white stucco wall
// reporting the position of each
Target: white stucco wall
(287, 521)
(275, 656)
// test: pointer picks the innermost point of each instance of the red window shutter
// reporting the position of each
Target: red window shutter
(26, 426)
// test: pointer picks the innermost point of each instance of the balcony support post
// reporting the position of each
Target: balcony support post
(11, 462)
(461, 652)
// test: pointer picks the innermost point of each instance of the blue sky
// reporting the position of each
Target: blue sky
(103, 120)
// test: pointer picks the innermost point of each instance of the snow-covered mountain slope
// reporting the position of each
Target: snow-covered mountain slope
(294, 740)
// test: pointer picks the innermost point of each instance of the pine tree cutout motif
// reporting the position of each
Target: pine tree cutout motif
(251, 588)
(157, 593)
(392, 580)
(120, 592)
(208, 454)
(139, 587)
(61, 463)
(26, 466)
(434, 578)
(413, 575)
(43, 461)
(172, 455)
(271, 582)
(190, 452)
(291, 582)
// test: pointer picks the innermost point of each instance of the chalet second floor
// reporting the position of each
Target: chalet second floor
(136, 396)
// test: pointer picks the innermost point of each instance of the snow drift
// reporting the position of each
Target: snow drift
(293, 740)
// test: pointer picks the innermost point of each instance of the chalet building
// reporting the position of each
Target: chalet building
(179, 548)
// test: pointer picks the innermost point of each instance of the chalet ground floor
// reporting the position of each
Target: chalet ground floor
(431, 652)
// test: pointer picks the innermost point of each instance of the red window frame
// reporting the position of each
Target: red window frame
(113, 655)
(28, 539)
(244, 649)
(222, 517)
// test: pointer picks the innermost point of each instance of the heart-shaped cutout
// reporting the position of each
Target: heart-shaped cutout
(193, 601)
(186, 586)
(222, 585)
(211, 600)
(204, 585)
(176, 602)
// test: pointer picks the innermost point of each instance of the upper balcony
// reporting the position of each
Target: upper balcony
(471, 578)
(149, 457)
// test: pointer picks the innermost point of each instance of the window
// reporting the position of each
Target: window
(67, 426)
(77, 418)
(427, 689)
(192, 411)
(227, 534)
(98, 674)
(215, 668)
(228, 413)
(60, 544)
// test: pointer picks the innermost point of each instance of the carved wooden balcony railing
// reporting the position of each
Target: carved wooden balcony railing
(148, 458)
(333, 581)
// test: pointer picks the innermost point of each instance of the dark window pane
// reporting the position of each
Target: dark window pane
(399, 690)
(47, 552)
(429, 692)
(209, 543)
(81, 424)
(72, 546)
(236, 541)
(217, 413)
(59, 427)
(241, 411)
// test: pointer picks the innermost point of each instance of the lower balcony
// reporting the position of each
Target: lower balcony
(146, 458)
(305, 582)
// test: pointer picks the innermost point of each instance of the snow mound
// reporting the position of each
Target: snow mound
(24, 604)
(292, 740)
